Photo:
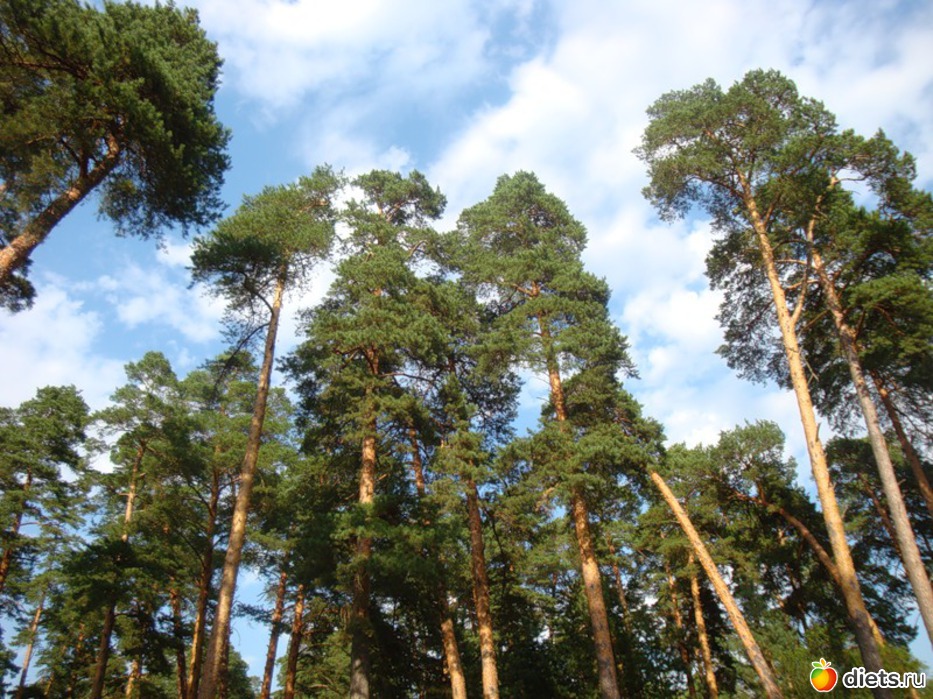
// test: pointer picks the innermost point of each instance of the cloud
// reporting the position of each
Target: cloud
(55, 343)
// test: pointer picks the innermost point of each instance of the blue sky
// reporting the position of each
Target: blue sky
(466, 91)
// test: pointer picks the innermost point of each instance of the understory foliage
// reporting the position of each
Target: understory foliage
(404, 502)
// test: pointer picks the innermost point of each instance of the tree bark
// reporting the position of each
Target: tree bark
(204, 591)
(842, 554)
(592, 581)
(136, 671)
(910, 453)
(16, 253)
(276, 621)
(216, 651)
(103, 653)
(181, 672)
(7, 560)
(294, 645)
(709, 673)
(27, 657)
(757, 658)
(359, 614)
(681, 630)
(487, 645)
(906, 541)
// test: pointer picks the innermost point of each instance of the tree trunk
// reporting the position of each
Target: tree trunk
(103, 653)
(7, 560)
(906, 541)
(136, 671)
(910, 453)
(487, 645)
(592, 582)
(178, 628)
(276, 621)
(448, 635)
(27, 658)
(681, 630)
(359, 614)
(216, 651)
(294, 645)
(709, 673)
(768, 682)
(204, 591)
(842, 554)
(16, 253)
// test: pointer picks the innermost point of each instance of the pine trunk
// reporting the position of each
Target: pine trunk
(276, 621)
(178, 627)
(294, 644)
(913, 459)
(204, 592)
(681, 631)
(487, 645)
(16, 253)
(768, 682)
(103, 653)
(7, 560)
(712, 688)
(217, 646)
(842, 554)
(27, 657)
(359, 614)
(906, 541)
(592, 581)
(136, 671)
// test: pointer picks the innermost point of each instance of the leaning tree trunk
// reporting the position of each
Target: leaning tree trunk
(276, 621)
(923, 483)
(842, 554)
(709, 673)
(16, 253)
(579, 512)
(294, 644)
(906, 541)
(757, 658)
(487, 645)
(220, 634)
(27, 658)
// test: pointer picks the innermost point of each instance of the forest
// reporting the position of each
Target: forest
(413, 537)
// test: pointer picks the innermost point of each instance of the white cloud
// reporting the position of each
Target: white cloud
(54, 344)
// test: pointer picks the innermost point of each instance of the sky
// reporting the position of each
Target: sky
(465, 91)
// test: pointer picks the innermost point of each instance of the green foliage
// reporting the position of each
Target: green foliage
(80, 85)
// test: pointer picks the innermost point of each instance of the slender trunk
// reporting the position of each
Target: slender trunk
(906, 541)
(7, 560)
(448, 634)
(276, 622)
(620, 588)
(204, 591)
(451, 651)
(27, 658)
(757, 658)
(136, 671)
(681, 630)
(16, 253)
(926, 490)
(294, 645)
(589, 567)
(487, 645)
(842, 554)
(359, 615)
(711, 687)
(103, 653)
(217, 646)
(178, 629)
(821, 553)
